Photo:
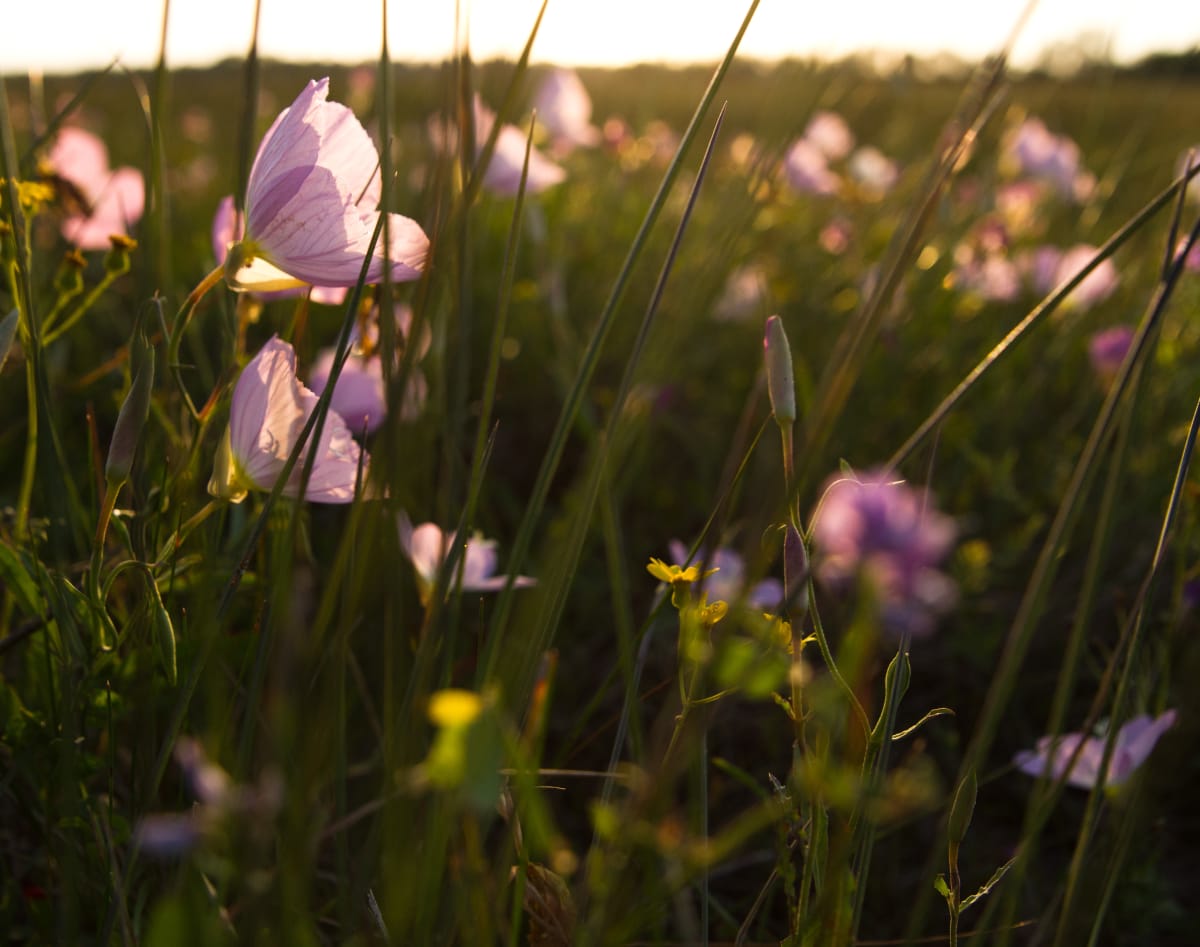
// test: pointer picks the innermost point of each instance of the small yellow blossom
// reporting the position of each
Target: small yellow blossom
(675, 575)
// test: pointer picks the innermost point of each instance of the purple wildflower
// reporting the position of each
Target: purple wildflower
(887, 532)
(1107, 350)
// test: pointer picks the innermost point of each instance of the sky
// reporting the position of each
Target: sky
(65, 35)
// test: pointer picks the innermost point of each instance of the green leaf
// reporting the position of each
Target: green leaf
(936, 712)
(991, 883)
(940, 886)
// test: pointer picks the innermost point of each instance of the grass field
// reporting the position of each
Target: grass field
(300, 716)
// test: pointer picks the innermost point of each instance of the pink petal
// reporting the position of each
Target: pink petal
(564, 108)
(81, 158)
(312, 193)
(116, 204)
(427, 547)
(480, 561)
(1135, 741)
(270, 407)
(360, 396)
(225, 229)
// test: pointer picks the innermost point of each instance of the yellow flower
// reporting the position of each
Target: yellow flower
(675, 575)
(711, 614)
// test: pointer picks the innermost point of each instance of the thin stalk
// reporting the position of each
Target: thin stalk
(81, 309)
(1035, 316)
(574, 401)
(1112, 876)
(1067, 515)
(1138, 622)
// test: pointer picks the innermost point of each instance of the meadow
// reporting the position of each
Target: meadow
(906, 356)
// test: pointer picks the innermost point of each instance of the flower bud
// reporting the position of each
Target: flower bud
(898, 675)
(116, 260)
(963, 809)
(781, 385)
(68, 281)
(134, 410)
(795, 570)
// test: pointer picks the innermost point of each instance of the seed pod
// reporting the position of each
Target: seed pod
(164, 635)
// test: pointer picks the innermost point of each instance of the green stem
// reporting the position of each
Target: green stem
(827, 656)
(94, 294)
(29, 468)
(180, 325)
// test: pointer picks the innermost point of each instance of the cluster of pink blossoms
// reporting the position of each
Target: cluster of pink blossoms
(311, 212)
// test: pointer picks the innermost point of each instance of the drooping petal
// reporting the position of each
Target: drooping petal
(270, 408)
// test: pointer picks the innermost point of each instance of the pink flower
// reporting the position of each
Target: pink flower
(1018, 204)
(503, 174)
(361, 396)
(270, 407)
(828, 132)
(992, 277)
(227, 231)
(564, 108)
(426, 547)
(836, 235)
(1097, 286)
(806, 170)
(874, 171)
(312, 204)
(116, 198)
(1132, 746)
